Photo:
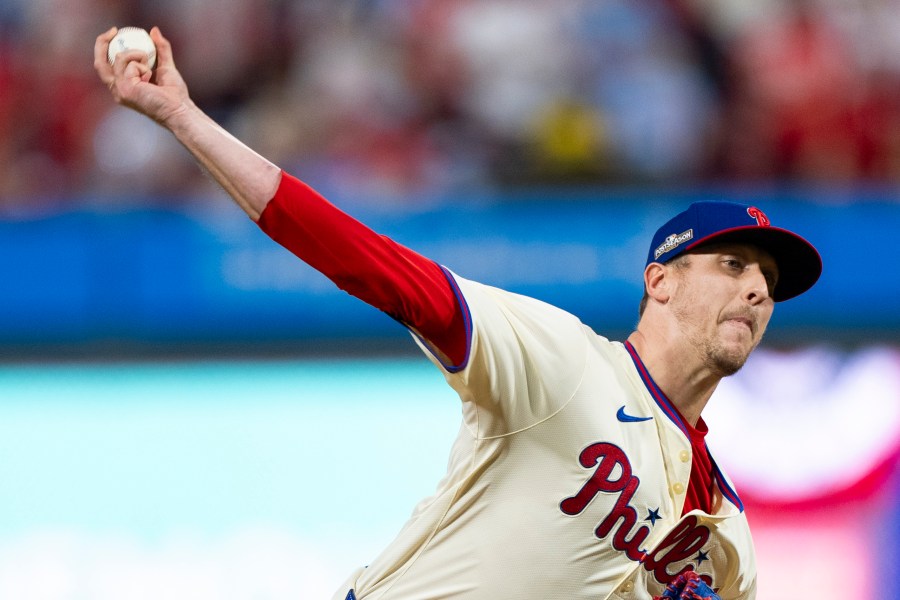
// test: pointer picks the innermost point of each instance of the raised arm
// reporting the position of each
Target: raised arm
(162, 95)
(411, 288)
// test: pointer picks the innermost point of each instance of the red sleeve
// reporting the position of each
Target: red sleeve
(404, 284)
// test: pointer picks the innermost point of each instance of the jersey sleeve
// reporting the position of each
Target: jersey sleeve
(526, 359)
(410, 288)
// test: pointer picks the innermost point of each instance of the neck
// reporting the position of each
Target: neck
(678, 371)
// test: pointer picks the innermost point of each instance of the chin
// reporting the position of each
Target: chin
(729, 367)
(727, 361)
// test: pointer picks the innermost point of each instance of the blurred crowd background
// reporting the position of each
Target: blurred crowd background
(415, 99)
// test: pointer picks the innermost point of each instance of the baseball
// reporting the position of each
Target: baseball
(132, 38)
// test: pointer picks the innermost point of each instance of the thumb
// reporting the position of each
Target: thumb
(163, 48)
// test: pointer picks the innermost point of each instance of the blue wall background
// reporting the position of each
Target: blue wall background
(162, 277)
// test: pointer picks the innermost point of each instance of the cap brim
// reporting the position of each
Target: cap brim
(799, 263)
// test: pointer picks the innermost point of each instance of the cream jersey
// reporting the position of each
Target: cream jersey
(567, 478)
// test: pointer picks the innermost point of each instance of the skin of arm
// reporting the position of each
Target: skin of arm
(394, 279)
(162, 95)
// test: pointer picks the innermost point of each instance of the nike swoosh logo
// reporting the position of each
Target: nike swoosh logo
(620, 415)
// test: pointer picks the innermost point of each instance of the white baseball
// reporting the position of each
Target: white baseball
(132, 38)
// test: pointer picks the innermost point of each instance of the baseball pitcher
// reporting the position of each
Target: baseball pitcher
(580, 470)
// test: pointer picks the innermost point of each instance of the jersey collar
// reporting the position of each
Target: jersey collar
(670, 411)
(658, 395)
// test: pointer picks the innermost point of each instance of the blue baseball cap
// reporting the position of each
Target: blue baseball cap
(702, 223)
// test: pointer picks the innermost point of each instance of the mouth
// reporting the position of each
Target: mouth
(744, 321)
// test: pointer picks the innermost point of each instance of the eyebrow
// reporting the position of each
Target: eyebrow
(767, 263)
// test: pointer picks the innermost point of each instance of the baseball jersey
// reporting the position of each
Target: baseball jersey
(567, 478)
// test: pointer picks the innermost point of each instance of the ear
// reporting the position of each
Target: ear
(657, 282)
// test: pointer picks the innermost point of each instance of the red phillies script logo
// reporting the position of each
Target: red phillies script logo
(683, 542)
(761, 219)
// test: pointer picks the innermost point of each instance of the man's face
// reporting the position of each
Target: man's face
(723, 302)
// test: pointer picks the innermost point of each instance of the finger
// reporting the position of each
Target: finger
(127, 57)
(137, 70)
(101, 62)
(164, 56)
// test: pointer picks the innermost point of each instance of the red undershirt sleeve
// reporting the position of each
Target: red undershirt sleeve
(389, 276)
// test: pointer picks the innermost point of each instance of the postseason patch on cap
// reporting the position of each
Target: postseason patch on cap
(673, 241)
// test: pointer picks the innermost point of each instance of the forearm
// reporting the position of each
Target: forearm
(162, 95)
(371, 267)
(250, 179)
(387, 275)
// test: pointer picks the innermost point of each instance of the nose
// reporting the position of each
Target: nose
(757, 290)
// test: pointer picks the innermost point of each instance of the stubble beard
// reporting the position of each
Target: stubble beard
(715, 355)
(724, 361)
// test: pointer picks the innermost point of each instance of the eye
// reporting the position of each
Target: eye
(733, 263)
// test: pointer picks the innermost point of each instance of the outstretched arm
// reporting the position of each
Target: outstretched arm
(409, 287)
(162, 95)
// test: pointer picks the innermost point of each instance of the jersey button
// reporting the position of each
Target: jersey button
(678, 488)
(685, 456)
(627, 586)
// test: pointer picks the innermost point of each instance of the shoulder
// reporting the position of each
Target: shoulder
(482, 299)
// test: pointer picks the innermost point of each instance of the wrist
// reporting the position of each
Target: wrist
(181, 118)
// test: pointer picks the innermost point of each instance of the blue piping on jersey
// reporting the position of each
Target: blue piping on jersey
(669, 409)
(726, 489)
(467, 320)
(661, 399)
